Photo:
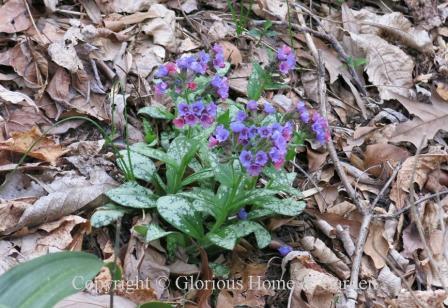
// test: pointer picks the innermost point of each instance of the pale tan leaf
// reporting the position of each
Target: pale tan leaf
(162, 29)
(388, 67)
(14, 17)
(231, 52)
(376, 245)
(64, 54)
(34, 144)
(16, 97)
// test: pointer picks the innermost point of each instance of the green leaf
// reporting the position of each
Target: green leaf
(282, 181)
(225, 238)
(182, 215)
(44, 281)
(106, 215)
(287, 207)
(257, 80)
(219, 270)
(115, 270)
(146, 150)
(157, 112)
(255, 195)
(142, 167)
(131, 194)
(151, 232)
(243, 228)
(198, 176)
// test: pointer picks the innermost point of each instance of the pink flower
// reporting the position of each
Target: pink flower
(179, 122)
(192, 86)
(212, 142)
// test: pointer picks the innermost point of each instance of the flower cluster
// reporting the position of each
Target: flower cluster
(257, 145)
(287, 59)
(318, 124)
(196, 113)
(181, 75)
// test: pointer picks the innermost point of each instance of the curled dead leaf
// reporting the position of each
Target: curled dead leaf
(231, 52)
(34, 144)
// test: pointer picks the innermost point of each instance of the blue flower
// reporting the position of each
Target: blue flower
(162, 71)
(268, 108)
(242, 214)
(197, 107)
(241, 116)
(284, 250)
(261, 158)
(252, 105)
(183, 109)
(221, 134)
(245, 158)
(237, 127)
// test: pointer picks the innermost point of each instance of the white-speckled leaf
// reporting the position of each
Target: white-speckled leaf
(145, 149)
(151, 232)
(246, 227)
(287, 207)
(106, 215)
(142, 167)
(225, 238)
(182, 215)
(282, 181)
(157, 112)
(131, 194)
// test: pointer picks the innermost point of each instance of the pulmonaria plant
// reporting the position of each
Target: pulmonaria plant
(208, 188)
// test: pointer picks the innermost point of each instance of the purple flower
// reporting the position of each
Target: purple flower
(203, 58)
(303, 111)
(221, 85)
(190, 119)
(161, 88)
(197, 67)
(283, 52)
(241, 116)
(253, 131)
(268, 108)
(221, 134)
(197, 108)
(261, 158)
(245, 158)
(242, 214)
(237, 127)
(252, 105)
(218, 61)
(284, 250)
(211, 109)
(244, 134)
(206, 120)
(276, 155)
(279, 141)
(264, 131)
(254, 169)
(185, 62)
(162, 71)
(183, 109)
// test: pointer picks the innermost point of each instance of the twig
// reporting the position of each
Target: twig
(351, 291)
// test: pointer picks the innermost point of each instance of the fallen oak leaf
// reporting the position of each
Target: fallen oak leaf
(14, 17)
(33, 143)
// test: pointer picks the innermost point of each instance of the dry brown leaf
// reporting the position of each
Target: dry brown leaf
(389, 282)
(30, 64)
(64, 54)
(442, 90)
(250, 294)
(16, 98)
(14, 17)
(145, 264)
(313, 286)
(34, 144)
(395, 25)
(145, 57)
(59, 87)
(426, 163)
(428, 120)
(271, 8)
(388, 67)
(231, 52)
(380, 159)
(416, 299)
(326, 256)
(68, 194)
(376, 245)
(162, 29)
(315, 159)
